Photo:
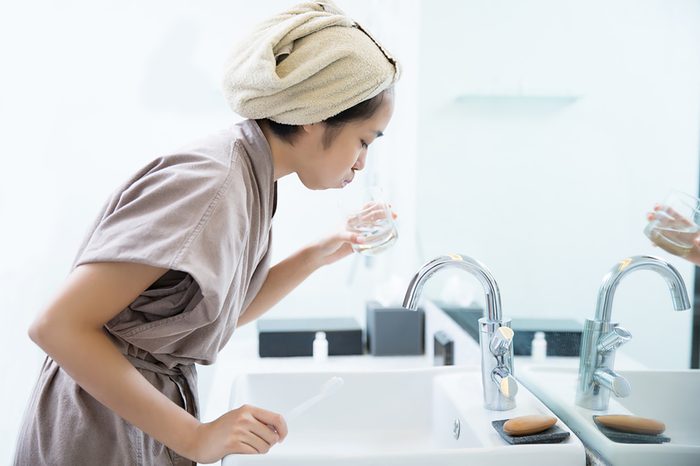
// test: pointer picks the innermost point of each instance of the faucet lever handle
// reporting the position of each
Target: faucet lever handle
(506, 383)
(613, 339)
(501, 341)
(613, 382)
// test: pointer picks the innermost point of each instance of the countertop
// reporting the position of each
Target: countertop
(241, 356)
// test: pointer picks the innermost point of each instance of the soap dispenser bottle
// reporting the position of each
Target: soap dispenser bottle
(539, 347)
(320, 350)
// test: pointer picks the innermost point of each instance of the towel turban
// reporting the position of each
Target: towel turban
(306, 65)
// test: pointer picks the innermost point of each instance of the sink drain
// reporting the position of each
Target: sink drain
(456, 428)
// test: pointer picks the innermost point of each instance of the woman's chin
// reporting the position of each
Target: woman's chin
(316, 186)
(321, 185)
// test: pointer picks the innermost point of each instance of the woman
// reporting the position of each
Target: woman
(179, 255)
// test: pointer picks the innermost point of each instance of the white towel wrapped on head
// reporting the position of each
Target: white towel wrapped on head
(306, 65)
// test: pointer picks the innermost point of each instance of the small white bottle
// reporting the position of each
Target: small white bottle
(320, 351)
(539, 347)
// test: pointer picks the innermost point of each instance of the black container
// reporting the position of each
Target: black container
(563, 335)
(294, 337)
(394, 331)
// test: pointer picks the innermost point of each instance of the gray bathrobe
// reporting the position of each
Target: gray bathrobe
(204, 213)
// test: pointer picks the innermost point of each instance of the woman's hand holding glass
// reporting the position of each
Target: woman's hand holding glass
(374, 225)
(369, 231)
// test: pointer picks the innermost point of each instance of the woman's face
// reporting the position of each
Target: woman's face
(335, 166)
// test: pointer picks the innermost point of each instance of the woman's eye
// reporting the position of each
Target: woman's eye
(364, 144)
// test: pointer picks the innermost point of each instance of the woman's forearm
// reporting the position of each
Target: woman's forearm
(71, 331)
(92, 360)
(280, 281)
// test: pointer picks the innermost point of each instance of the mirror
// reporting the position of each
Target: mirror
(547, 131)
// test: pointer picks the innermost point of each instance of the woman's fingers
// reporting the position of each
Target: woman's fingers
(254, 430)
(344, 237)
(256, 442)
(270, 421)
(678, 217)
(265, 432)
(347, 237)
(368, 216)
(246, 448)
(667, 215)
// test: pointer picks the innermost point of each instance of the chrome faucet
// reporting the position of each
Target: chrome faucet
(601, 337)
(495, 335)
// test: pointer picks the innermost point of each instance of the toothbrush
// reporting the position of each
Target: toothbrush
(331, 386)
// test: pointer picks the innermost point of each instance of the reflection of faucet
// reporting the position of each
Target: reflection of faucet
(495, 335)
(596, 377)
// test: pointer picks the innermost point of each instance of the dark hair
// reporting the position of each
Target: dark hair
(362, 111)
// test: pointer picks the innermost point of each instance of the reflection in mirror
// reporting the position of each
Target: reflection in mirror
(548, 131)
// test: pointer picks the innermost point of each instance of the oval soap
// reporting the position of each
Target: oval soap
(632, 424)
(526, 425)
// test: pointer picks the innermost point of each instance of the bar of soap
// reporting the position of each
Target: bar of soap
(526, 425)
(632, 424)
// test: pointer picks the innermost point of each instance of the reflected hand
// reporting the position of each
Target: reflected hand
(668, 217)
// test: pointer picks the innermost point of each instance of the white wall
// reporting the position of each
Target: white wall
(548, 129)
(90, 91)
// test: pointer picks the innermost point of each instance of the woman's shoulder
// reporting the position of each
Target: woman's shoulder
(240, 147)
(215, 175)
(210, 161)
(216, 151)
(168, 202)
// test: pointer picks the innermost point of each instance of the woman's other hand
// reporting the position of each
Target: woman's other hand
(246, 430)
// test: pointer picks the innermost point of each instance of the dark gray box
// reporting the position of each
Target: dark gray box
(393, 331)
(443, 349)
(295, 337)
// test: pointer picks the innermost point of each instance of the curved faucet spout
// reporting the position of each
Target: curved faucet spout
(473, 266)
(601, 337)
(679, 294)
(495, 335)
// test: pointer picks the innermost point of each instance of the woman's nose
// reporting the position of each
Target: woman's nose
(360, 163)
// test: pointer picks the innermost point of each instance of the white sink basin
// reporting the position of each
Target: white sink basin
(401, 417)
(669, 396)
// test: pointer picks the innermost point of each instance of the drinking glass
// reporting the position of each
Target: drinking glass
(676, 223)
(373, 222)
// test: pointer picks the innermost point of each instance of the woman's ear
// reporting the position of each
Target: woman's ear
(313, 128)
(313, 133)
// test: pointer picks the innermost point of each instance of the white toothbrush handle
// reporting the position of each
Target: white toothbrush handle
(296, 411)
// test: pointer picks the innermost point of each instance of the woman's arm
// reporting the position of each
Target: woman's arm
(288, 274)
(70, 330)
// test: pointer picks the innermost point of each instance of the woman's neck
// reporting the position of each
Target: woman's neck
(282, 152)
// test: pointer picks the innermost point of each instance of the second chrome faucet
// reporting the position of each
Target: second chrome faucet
(597, 378)
(495, 334)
